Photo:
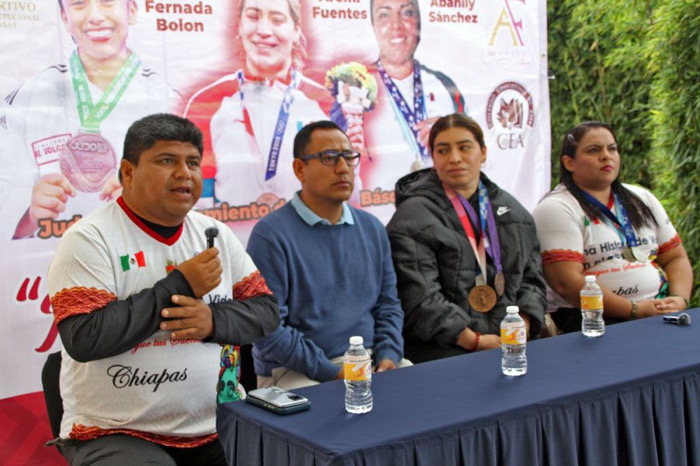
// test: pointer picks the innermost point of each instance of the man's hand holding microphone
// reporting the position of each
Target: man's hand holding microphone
(192, 318)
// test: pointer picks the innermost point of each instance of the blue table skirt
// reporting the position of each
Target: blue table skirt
(631, 397)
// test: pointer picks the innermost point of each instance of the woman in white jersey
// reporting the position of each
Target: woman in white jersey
(593, 224)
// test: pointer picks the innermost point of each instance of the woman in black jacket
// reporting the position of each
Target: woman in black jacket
(463, 250)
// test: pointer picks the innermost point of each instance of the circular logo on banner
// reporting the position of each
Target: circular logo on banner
(510, 115)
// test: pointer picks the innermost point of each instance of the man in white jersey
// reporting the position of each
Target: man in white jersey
(410, 98)
(63, 125)
(151, 311)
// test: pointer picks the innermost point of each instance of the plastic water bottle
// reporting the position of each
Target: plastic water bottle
(592, 324)
(357, 366)
(513, 343)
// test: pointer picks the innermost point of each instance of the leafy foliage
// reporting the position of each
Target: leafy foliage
(673, 53)
(600, 74)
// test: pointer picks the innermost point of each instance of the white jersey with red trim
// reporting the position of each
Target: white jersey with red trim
(237, 154)
(567, 234)
(162, 387)
(41, 116)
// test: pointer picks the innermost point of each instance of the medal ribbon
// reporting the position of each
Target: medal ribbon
(621, 223)
(493, 244)
(411, 117)
(632, 240)
(462, 213)
(280, 126)
(92, 115)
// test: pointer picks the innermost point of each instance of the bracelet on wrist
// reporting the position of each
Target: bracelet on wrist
(687, 303)
(477, 343)
(633, 312)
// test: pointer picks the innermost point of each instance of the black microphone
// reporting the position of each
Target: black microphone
(211, 233)
(681, 319)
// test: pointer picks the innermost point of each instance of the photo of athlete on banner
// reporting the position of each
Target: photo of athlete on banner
(65, 125)
(411, 97)
(250, 117)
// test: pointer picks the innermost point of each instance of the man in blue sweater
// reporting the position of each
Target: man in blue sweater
(329, 265)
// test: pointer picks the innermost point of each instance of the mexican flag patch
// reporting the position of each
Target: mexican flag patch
(130, 261)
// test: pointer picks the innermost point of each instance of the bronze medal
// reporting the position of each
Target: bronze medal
(628, 255)
(482, 298)
(88, 160)
(499, 282)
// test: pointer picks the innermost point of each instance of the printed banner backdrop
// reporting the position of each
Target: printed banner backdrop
(484, 57)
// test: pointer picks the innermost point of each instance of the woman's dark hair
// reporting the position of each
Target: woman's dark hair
(459, 120)
(638, 212)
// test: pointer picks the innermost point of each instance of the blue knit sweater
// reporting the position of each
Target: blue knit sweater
(332, 282)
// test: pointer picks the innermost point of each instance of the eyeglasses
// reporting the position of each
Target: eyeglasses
(331, 157)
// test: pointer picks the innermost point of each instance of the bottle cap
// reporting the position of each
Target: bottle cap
(512, 309)
(590, 278)
(356, 340)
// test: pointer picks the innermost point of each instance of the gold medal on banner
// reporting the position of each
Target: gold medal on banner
(482, 298)
(499, 283)
(88, 160)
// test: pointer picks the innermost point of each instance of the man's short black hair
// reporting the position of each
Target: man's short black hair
(303, 137)
(146, 132)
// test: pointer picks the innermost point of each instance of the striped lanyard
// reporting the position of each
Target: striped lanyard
(280, 125)
(91, 115)
(489, 242)
(410, 117)
(621, 223)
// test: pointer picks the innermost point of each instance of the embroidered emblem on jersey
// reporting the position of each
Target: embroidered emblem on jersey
(132, 261)
(170, 266)
(48, 150)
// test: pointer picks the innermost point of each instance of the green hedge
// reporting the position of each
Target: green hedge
(635, 64)
(673, 54)
(601, 74)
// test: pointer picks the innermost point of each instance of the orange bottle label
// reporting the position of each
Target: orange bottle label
(357, 371)
(513, 336)
(592, 302)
